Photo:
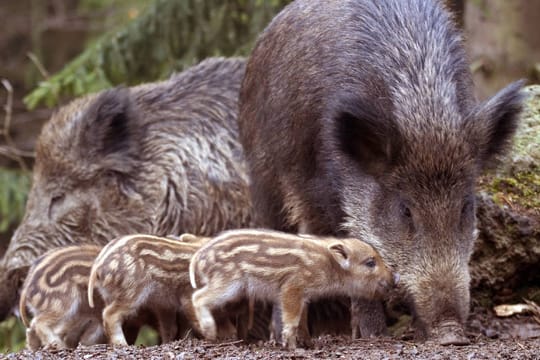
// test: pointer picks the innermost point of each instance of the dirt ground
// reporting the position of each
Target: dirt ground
(491, 338)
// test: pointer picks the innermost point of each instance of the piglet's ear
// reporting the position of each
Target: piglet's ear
(341, 254)
(187, 237)
(110, 130)
(495, 122)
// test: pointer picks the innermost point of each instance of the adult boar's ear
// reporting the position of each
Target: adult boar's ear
(366, 133)
(110, 131)
(494, 123)
(341, 254)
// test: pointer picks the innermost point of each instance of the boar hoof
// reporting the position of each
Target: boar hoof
(451, 334)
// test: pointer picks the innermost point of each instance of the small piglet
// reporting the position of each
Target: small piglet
(144, 272)
(55, 293)
(288, 270)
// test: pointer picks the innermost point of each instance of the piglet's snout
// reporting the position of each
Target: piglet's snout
(388, 284)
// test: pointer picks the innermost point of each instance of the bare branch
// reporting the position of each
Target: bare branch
(7, 125)
(38, 65)
(12, 153)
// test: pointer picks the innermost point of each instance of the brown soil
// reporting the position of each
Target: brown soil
(324, 348)
(491, 338)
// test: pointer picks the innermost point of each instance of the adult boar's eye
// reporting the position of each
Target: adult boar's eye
(467, 208)
(406, 216)
(55, 202)
(467, 211)
(405, 211)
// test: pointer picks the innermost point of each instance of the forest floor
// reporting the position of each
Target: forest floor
(491, 338)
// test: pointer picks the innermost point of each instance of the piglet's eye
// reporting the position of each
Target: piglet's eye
(370, 263)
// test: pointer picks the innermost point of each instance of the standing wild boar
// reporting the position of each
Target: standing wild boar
(160, 158)
(359, 116)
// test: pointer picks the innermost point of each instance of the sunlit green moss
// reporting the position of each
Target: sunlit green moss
(517, 182)
(523, 189)
(12, 335)
(147, 337)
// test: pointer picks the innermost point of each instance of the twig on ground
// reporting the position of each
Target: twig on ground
(217, 345)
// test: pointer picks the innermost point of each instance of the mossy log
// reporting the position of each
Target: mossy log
(506, 262)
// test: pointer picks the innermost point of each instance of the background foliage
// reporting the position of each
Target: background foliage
(14, 185)
(168, 36)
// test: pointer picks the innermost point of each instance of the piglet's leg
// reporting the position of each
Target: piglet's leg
(33, 341)
(355, 317)
(292, 305)
(188, 311)
(303, 330)
(276, 324)
(113, 316)
(93, 334)
(202, 301)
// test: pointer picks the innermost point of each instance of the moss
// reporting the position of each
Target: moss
(147, 337)
(523, 189)
(526, 143)
(12, 335)
(401, 326)
(517, 182)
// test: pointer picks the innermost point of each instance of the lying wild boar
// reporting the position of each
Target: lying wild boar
(160, 158)
(284, 269)
(55, 292)
(358, 118)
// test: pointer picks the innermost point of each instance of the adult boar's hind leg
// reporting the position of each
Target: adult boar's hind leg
(367, 317)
